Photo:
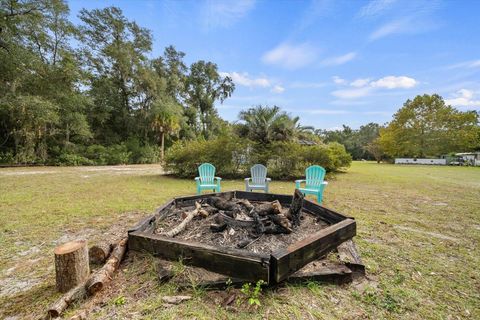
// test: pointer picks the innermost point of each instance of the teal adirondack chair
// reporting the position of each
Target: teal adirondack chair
(259, 180)
(314, 183)
(206, 179)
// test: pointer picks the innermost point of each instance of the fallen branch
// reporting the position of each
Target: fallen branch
(97, 281)
(183, 224)
(75, 294)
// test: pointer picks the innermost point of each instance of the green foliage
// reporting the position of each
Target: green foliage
(357, 142)
(233, 156)
(426, 126)
(119, 301)
(252, 293)
(67, 159)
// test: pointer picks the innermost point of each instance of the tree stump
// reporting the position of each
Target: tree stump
(71, 264)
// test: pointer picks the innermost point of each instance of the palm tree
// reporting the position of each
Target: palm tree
(267, 124)
(165, 118)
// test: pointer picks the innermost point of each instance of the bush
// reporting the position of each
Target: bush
(117, 154)
(227, 154)
(233, 157)
(68, 159)
(142, 153)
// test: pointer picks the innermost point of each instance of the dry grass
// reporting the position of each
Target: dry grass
(418, 233)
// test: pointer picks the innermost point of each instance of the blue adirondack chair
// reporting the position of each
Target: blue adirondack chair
(314, 183)
(206, 179)
(259, 180)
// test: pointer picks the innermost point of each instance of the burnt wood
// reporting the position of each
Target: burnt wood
(348, 254)
(148, 224)
(190, 200)
(231, 262)
(267, 197)
(286, 261)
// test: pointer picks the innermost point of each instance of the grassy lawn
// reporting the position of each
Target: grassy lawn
(418, 234)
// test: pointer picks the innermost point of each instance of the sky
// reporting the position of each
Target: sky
(328, 62)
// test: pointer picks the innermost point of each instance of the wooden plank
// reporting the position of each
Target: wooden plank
(286, 261)
(327, 272)
(325, 214)
(257, 196)
(349, 255)
(231, 262)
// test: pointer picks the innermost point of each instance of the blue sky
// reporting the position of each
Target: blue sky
(329, 62)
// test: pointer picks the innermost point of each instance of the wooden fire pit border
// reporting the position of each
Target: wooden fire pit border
(239, 263)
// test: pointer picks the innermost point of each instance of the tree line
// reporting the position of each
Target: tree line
(92, 94)
(71, 91)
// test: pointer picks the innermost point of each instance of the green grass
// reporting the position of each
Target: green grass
(418, 233)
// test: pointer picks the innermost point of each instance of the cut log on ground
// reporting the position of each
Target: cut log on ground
(183, 224)
(99, 253)
(98, 280)
(75, 294)
(175, 299)
(71, 264)
(295, 209)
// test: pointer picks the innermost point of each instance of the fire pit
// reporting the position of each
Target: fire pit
(244, 235)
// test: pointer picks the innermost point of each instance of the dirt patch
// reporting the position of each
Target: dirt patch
(432, 234)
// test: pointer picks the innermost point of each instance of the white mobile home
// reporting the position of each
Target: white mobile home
(441, 162)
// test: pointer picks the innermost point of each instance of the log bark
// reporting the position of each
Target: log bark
(99, 253)
(75, 294)
(295, 209)
(268, 208)
(183, 224)
(102, 276)
(71, 265)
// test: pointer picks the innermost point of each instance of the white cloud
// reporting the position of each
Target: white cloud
(464, 98)
(308, 85)
(392, 82)
(363, 87)
(277, 89)
(352, 93)
(338, 80)
(361, 82)
(336, 61)
(291, 56)
(393, 27)
(327, 111)
(466, 64)
(218, 13)
(243, 79)
(375, 8)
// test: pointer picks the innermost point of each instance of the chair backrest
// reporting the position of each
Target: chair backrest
(259, 174)
(314, 176)
(206, 172)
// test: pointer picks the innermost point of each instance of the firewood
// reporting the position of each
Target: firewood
(175, 299)
(282, 221)
(183, 224)
(71, 264)
(102, 276)
(218, 227)
(296, 207)
(99, 253)
(75, 294)
(223, 204)
(267, 208)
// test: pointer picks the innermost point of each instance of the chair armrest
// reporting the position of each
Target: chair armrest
(298, 182)
(218, 178)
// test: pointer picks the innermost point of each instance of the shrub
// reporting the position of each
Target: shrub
(227, 154)
(142, 153)
(97, 153)
(69, 159)
(117, 154)
(233, 157)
